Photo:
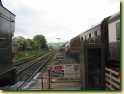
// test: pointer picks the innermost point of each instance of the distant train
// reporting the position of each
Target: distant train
(7, 27)
(106, 33)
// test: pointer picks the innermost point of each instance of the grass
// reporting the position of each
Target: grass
(26, 54)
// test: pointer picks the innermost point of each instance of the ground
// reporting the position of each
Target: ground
(70, 81)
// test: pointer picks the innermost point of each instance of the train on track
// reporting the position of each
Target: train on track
(106, 33)
(7, 27)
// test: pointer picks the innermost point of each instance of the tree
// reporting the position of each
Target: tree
(22, 43)
(40, 42)
(31, 44)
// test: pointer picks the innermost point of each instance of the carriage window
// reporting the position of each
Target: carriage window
(89, 35)
(81, 38)
(95, 33)
(118, 31)
(2, 43)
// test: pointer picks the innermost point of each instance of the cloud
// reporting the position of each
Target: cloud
(58, 18)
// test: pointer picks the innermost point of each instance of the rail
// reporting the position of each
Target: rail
(112, 79)
(29, 63)
(40, 67)
(19, 62)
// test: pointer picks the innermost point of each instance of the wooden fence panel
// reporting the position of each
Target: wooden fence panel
(112, 79)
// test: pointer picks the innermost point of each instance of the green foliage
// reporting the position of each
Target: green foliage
(37, 43)
(29, 47)
(26, 54)
(21, 41)
(31, 44)
(40, 42)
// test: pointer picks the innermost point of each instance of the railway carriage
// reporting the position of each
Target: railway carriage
(75, 45)
(114, 38)
(99, 47)
(7, 26)
(106, 33)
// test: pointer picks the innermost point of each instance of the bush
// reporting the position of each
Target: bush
(26, 54)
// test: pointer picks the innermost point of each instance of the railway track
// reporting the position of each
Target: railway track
(20, 62)
(20, 67)
(27, 70)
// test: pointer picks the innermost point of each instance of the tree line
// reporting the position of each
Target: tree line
(37, 43)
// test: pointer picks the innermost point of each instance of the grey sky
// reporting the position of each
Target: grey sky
(58, 18)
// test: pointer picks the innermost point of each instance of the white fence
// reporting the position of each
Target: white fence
(65, 71)
(112, 79)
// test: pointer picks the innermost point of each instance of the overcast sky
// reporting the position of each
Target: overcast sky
(62, 19)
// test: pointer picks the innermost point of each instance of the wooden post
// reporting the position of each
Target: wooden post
(42, 82)
(49, 79)
(46, 81)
